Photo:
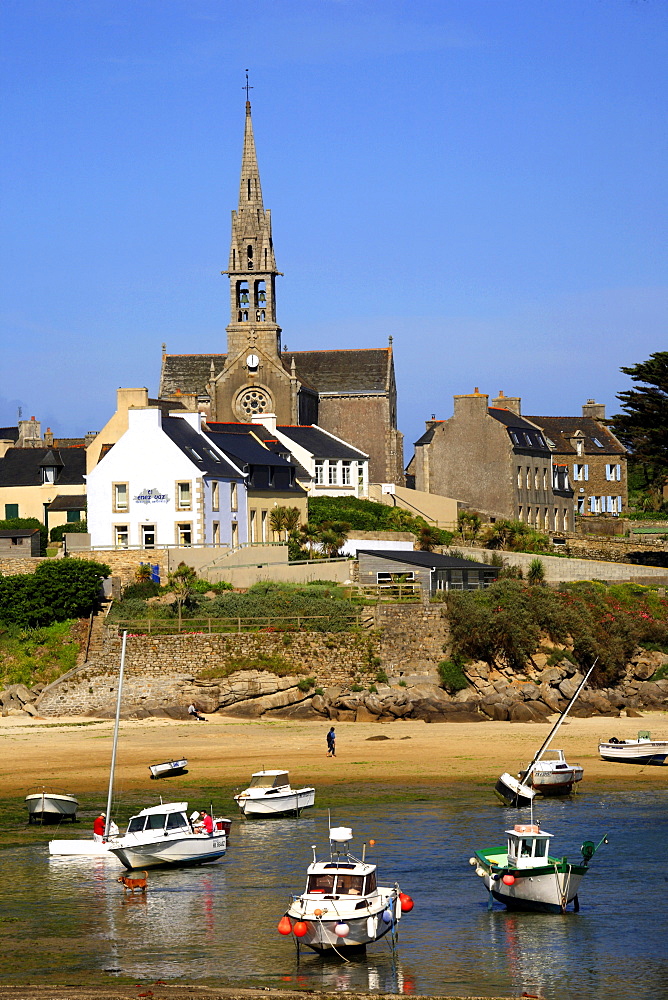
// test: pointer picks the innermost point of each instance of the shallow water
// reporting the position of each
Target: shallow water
(217, 923)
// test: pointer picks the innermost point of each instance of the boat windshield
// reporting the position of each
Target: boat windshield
(370, 883)
(269, 780)
(349, 885)
(177, 821)
(136, 824)
(155, 821)
(320, 883)
(346, 885)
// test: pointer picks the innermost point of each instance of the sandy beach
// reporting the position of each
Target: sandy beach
(75, 753)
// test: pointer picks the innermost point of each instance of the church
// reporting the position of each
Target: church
(350, 393)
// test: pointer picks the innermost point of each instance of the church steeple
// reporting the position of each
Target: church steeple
(252, 265)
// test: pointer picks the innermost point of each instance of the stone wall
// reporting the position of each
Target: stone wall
(567, 570)
(13, 567)
(125, 562)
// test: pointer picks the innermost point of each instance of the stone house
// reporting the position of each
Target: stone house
(349, 393)
(494, 461)
(595, 459)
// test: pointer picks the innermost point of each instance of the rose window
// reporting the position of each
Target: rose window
(253, 401)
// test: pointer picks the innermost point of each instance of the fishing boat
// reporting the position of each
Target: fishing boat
(164, 835)
(90, 846)
(270, 794)
(342, 908)
(553, 775)
(644, 750)
(51, 807)
(521, 791)
(524, 876)
(169, 768)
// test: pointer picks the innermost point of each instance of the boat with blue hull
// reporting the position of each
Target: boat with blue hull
(644, 750)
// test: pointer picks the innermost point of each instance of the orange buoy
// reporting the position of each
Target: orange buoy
(508, 879)
(372, 843)
(407, 903)
(285, 925)
(300, 928)
(317, 913)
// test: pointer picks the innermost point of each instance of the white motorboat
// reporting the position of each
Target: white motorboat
(644, 750)
(342, 908)
(523, 876)
(521, 791)
(164, 835)
(554, 775)
(51, 807)
(270, 794)
(168, 768)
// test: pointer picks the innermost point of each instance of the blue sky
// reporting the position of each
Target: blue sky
(483, 180)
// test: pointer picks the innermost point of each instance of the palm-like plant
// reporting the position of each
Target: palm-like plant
(310, 534)
(277, 520)
(291, 519)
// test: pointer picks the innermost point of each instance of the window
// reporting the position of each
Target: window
(545, 478)
(579, 447)
(234, 497)
(580, 473)
(332, 473)
(263, 517)
(73, 515)
(216, 532)
(184, 534)
(556, 519)
(121, 536)
(319, 472)
(253, 524)
(120, 496)
(215, 495)
(519, 477)
(345, 473)
(520, 513)
(183, 496)
(565, 519)
(11, 510)
(235, 534)
(581, 505)
(48, 474)
(148, 536)
(528, 478)
(613, 472)
(597, 442)
(535, 478)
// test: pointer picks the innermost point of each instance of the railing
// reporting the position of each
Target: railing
(260, 623)
(385, 592)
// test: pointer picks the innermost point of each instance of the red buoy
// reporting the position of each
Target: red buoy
(407, 903)
(300, 928)
(509, 880)
(285, 925)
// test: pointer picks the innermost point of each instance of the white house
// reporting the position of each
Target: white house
(164, 482)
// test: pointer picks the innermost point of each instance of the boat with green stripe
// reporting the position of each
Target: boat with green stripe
(523, 875)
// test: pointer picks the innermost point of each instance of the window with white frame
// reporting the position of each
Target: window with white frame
(263, 516)
(184, 534)
(613, 472)
(216, 532)
(319, 472)
(345, 473)
(332, 473)
(581, 505)
(121, 536)
(580, 473)
(184, 496)
(120, 496)
(215, 495)
(519, 477)
(253, 525)
(234, 497)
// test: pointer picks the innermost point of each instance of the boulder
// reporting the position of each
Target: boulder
(20, 693)
(523, 712)
(364, 715)
(498, 712)
(569, 685)
(632, 713)
(420, 691)
(253, 708)
(343, 715)
(643, 668)
(650, 693)
(530, 692)
(30, 709)
(350, 702)
(550, 696)
(539, 708)
(301, 710)
(396, 711)
(319, 704)
(600, 704)
(552, 675)
(373, 704)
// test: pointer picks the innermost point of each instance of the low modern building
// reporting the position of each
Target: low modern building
(19, 543)
(431, 570)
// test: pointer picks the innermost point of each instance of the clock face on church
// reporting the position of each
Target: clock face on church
(252, 361)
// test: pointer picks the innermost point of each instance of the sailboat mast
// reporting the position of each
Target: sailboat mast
(115, 743)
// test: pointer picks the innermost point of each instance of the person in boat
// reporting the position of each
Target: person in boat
(331, 743)
(99, 826)
(207, 822)
(194, 714)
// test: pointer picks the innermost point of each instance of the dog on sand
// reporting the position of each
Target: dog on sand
(133, 883)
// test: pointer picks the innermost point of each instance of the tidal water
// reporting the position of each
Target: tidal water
(217, 924)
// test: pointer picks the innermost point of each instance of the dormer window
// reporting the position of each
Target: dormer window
(49, 473)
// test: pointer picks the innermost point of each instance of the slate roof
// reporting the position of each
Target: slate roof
(9, 433)
(265, 435)
(319, 442)
(18, 532)
(340, 371)
(429, 433)
(431, 560)
(23, 466)
(560, 429)
(268, 471)
(197, 449)
(523, 434)
(68, 503)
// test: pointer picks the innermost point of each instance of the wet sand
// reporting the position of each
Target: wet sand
(74, 754)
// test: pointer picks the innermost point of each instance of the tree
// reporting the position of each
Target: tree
(428, 538)
(469, 522)
(58, 589)
(277, 520)
(643, 426)
(182, 582)
(291, 518)
(536, 574)
(309, 535)
(333, 536)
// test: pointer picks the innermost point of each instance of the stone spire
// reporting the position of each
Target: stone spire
(252, 265)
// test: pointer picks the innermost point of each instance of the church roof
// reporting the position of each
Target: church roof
(341, 371)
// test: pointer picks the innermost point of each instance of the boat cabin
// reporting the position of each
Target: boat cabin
(269, 780)
(338, 878)
(169, 816)
(528, 845)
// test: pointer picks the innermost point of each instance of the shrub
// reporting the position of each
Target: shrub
(536, 574)
(57, 590)
(452, 676)
(29, 655)
(142, 590)
(306, 683)
(382, 677)
(75, 527)
(356, 687)
(260, 661)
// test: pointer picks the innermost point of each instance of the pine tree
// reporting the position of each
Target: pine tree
(643, 427)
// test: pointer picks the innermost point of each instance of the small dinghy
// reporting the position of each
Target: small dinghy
(342, 908)
(644, 750)
(270, 794)
(51, 807)
(168, 768)
(523, 876)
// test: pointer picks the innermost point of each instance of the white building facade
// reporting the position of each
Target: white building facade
(165, 483)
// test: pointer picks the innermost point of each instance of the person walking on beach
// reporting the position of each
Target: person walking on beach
(331, 743)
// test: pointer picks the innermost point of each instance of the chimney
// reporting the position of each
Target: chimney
(48, 438)
(30, 434)
(268, 419)
(473, 405)
(593, 409)
(512, 403)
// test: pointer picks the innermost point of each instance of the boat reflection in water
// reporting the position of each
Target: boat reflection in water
(356, 973)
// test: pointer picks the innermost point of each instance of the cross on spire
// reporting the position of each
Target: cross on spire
(247, 87)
